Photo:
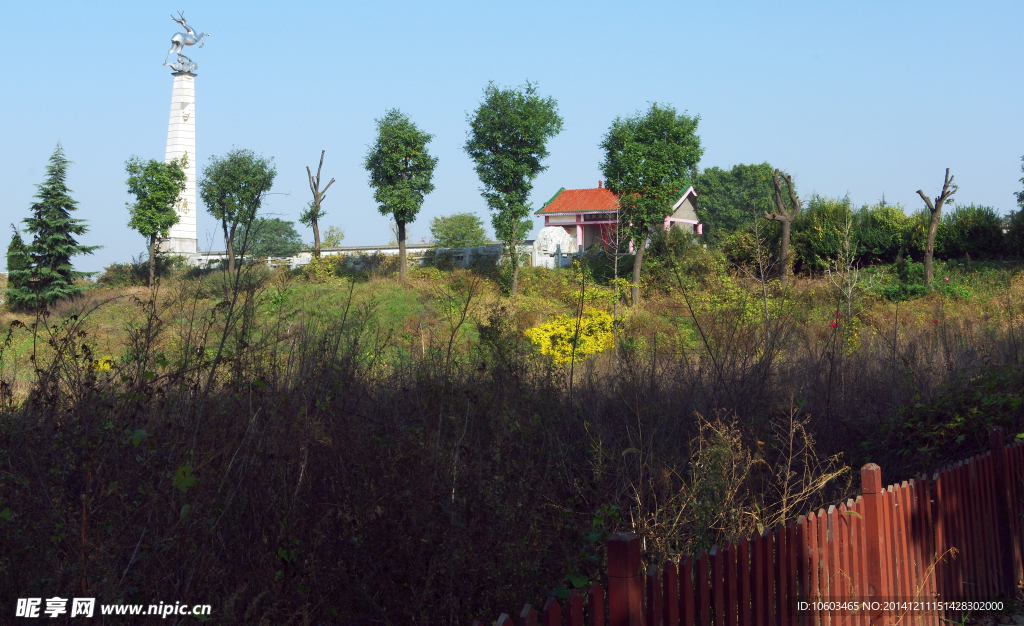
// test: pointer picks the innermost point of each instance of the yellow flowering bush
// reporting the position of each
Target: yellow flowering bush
(104, 364)
(555, 338)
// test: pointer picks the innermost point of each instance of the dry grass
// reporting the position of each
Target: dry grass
(290, 451)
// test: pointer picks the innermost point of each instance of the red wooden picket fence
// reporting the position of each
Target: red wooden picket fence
(894, 553)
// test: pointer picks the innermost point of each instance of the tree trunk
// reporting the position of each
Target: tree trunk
(948, 189)
(316, 233)
(784, 261)
(929, 248)
(230, 246)
(401, 251)
(318, 196)
(152, 260)
(638, 260)
(515, 269)
(784, 215)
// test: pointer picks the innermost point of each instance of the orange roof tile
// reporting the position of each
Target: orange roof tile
(598, 200)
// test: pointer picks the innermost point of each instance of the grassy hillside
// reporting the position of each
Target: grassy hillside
(295, 446)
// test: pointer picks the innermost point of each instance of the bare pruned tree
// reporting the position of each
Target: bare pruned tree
(948, 189)
(784, 215)
(311, 216)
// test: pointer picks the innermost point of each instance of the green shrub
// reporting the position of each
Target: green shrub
(136, 272)
(739, 247)
(881, 232)
(1015, 234)
(971, 231)
(909, 282)
(819, 233)
(936, 432)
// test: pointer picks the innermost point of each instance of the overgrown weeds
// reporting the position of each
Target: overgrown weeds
(295, 450)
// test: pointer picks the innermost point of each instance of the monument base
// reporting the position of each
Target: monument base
(179, 245)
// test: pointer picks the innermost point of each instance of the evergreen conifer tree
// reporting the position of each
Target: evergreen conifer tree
(50, 276)
(17, 259)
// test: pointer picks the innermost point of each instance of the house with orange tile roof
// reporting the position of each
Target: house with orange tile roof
(591, 215)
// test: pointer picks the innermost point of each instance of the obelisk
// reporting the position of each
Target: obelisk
(181, 143)
(181, 139)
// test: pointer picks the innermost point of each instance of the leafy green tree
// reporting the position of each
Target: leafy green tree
(313, 213)
(156, 187)
(508, 136)
(271, 237)
(49, 276)
(935, 209)
(401, 170)
(233, 188)
(459, 230)
(17, 260)
(649, 159)
(729, 200)
(334, 236)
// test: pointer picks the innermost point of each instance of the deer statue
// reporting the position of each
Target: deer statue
(180, 40)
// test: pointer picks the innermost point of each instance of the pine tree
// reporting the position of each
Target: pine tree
(17, 259)
(50, 276)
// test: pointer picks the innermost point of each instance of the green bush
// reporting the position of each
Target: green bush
(971, 231)
(739, 247)
(909, 282)
(136, 272)
(819, 233)
(1015, 234)
(881, 232)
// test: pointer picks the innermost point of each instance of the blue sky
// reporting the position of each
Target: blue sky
(858, 98)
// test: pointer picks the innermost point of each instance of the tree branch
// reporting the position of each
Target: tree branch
(312, 187)
(782, 215)
(314, 184)
(792, 194)
(778, 196)
(927, 200)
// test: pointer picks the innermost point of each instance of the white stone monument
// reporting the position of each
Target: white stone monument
(551, 247)
(181, 142)
(181, 139)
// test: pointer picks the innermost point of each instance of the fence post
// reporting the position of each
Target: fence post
(625, 581)
(1008, 588)
(528, 616)
(552, 615)
(654, 598)
(595, 605)
(574, 609)
(871, 490)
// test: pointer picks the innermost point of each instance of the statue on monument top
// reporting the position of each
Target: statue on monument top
(179, 41)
